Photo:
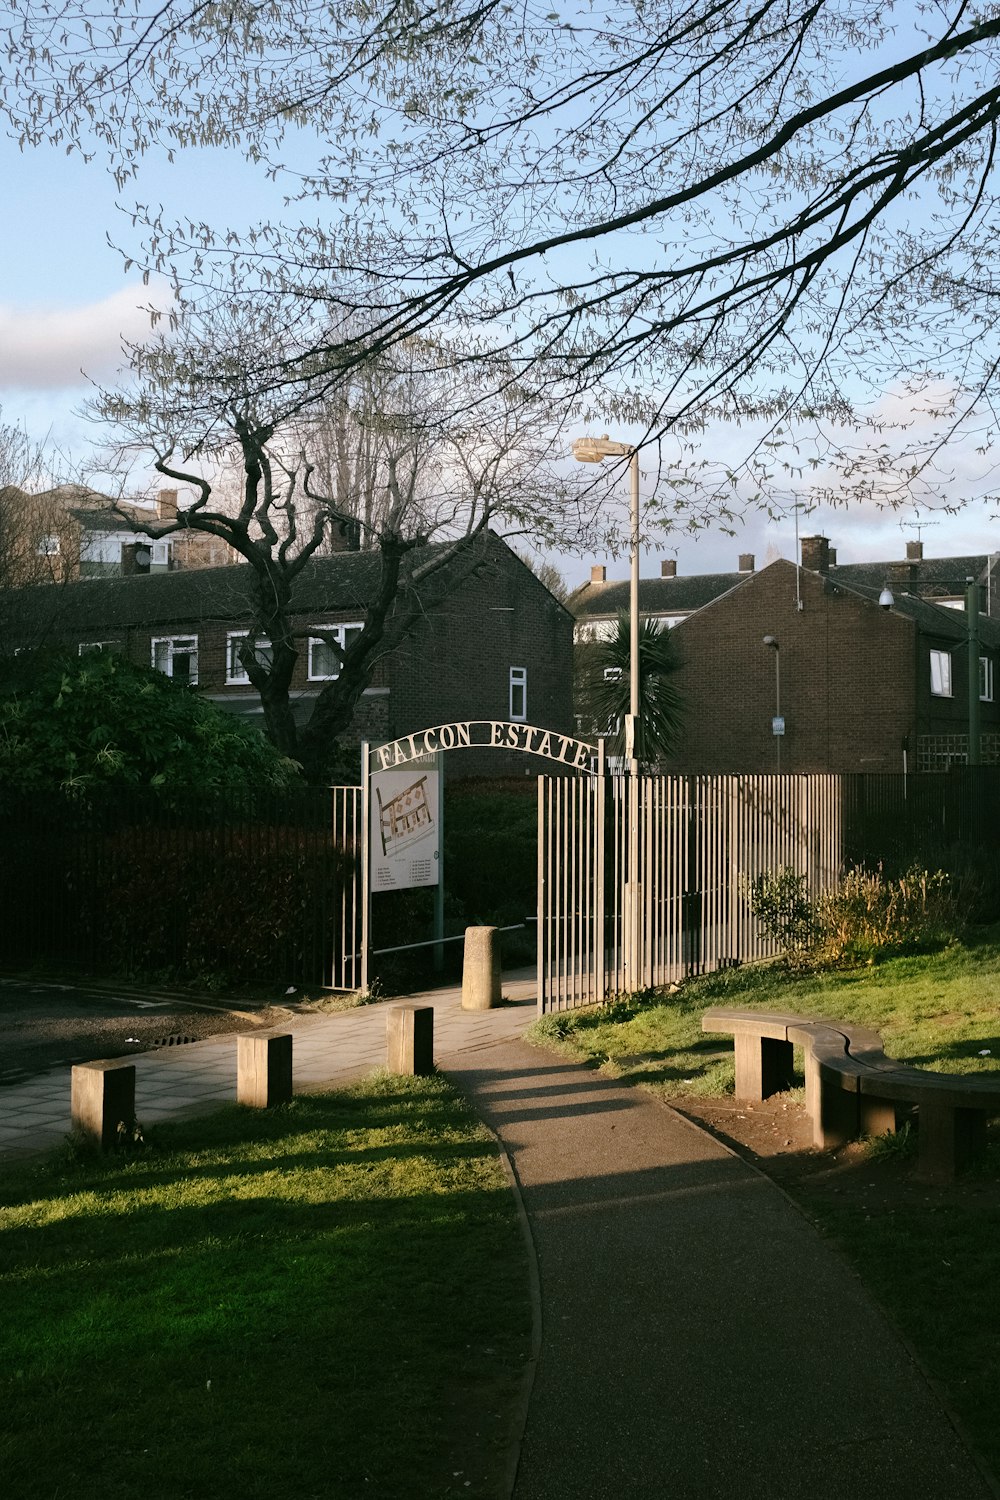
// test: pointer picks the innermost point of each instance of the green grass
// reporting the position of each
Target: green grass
(939, 1010)
(931, 1257)
(324, 1300)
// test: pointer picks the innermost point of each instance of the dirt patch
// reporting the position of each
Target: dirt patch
(776, 1135)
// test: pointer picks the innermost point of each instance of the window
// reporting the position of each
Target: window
(518, 692)
(48, 547)
(113, 648)
(160, 554)
(235, 641)
(177, 656)
(324, 664)
(941, 674)
(986, 679)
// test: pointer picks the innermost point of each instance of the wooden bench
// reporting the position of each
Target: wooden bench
(853, 1089)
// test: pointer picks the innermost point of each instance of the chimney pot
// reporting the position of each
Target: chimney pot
(914, 552)
(668, 567)
(166, 505)
(816, 553)
(831, 556)
(598, 574)
(746, 562)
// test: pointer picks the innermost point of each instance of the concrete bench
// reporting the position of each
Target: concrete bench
(853, 1089)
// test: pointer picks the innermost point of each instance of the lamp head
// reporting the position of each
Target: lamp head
(772, 641)
(885, 599)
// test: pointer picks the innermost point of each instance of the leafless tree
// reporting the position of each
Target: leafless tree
(412, 461)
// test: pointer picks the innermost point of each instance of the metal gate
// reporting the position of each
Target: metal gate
(643, 882)
(348, 960)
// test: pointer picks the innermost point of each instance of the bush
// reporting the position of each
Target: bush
(869, 915)
(779, 901)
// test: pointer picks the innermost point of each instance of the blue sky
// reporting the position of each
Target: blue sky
(66, 300)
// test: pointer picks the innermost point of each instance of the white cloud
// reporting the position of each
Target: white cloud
(48, 348)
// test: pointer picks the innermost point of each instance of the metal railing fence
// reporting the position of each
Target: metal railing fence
(247, 888)
(701, 842)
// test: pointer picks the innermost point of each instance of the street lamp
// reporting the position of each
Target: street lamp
(591, 450)
(778, 728)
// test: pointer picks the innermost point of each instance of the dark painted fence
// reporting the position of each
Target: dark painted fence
(244, 889)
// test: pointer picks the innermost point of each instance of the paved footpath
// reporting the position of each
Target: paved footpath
(328, 1050)
(699, 1338)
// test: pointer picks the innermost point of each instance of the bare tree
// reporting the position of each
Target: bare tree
(764, 208)
(39, 540)
(431, 462)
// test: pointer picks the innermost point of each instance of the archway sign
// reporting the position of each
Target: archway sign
(402, 806)
(484, 734)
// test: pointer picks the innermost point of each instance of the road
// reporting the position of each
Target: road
(45, 1027)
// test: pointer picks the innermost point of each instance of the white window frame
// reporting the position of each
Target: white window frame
(517, 686)
(986, 679)
(48, 546)
(159, 554)
(941, 674)
(178, 645)
(236, 672)
(340, 631)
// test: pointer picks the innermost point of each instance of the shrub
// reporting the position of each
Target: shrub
(779, 901)
(870, 915)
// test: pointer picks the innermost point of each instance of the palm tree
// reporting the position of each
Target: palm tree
(603, 689)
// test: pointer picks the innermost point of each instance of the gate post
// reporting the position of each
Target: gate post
(600, 831)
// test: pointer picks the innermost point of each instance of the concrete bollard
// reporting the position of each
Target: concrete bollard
(264, 1070)
(102, 1101)
(410, 1039)
(481, 969)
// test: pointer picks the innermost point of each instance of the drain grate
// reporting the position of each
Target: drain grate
(176, 1039)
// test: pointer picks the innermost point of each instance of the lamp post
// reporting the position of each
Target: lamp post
(771, 642)
(591, 450)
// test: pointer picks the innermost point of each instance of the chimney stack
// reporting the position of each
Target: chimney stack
(831, 556)
(166, 505)
(598, 575)
(668, 568)
(914, 552)
(816, 553)
(746, 562)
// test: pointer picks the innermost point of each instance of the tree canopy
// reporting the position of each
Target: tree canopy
(765, 207)
(77, 723)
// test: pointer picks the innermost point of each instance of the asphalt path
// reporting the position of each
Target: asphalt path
(46, 1027)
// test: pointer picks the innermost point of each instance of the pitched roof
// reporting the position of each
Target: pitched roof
(683, 594)
(339, 584)
(657, 596)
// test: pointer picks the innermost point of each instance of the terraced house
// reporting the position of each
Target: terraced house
(497, 645)
(848, 683)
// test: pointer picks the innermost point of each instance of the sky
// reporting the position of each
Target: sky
(67, 301)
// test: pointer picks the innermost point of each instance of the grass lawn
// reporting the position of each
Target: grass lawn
(931, 1256)
(325, 1300)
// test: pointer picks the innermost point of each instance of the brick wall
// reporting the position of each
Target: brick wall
(847, 679)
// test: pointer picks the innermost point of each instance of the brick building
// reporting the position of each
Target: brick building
(80, 533)
(861, 687)
(498, 646)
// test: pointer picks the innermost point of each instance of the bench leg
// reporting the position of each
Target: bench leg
(763, 1066)
(834, 1111)
(878, 1116)
(949, 1139)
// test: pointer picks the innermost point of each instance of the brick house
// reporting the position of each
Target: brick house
(862, 688)
(83, 534)
(499, 646)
